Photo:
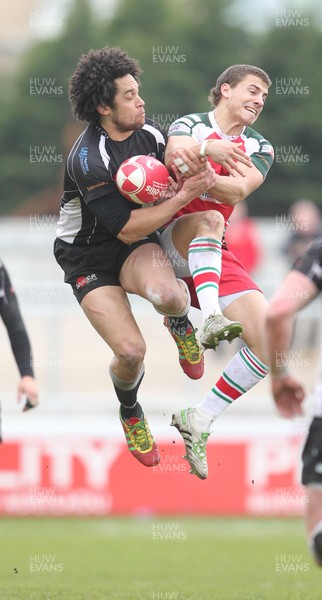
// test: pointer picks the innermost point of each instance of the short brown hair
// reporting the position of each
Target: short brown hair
(234, 75)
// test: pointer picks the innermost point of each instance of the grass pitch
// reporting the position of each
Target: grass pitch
(156, 559)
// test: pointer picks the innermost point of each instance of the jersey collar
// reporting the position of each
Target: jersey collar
(217, 129)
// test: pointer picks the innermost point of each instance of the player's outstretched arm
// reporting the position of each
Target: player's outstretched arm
(148, 220)
(20, 344)
(287, 391)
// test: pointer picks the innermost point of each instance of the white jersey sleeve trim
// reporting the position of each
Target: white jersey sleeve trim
(155, 132)
(105, 157)
(70, 220)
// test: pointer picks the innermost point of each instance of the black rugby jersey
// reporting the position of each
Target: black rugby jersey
(92, 209)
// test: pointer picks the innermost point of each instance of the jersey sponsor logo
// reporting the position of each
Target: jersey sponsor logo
(97, 185)
(207, 196)
(85, 280)
(83, 159)
(179, 127)
(268, 149)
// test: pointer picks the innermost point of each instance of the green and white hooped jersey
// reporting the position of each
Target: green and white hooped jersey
(202, 126)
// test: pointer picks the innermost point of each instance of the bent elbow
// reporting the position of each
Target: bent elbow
(235, 199)
(241, 194)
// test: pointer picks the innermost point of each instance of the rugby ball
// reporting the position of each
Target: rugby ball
(141, 179)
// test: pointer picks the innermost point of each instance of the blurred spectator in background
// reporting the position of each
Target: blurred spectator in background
(19, 340)
(243, 239)
(304, 225)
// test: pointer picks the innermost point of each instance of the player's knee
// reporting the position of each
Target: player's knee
(130, 355)
(167, 298)
(316, 548)
(210, 221)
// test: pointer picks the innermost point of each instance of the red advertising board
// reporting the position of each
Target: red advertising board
(91, 476)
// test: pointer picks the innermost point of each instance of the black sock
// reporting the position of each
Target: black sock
(133, 411)
(130, 407)
(179, 325)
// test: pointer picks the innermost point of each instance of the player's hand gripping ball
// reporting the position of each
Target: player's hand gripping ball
(142, 178)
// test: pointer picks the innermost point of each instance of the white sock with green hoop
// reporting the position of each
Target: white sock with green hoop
(242, 372)
(204, 259)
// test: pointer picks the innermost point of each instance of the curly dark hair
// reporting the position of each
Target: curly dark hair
(92, 83)
(234, 75)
